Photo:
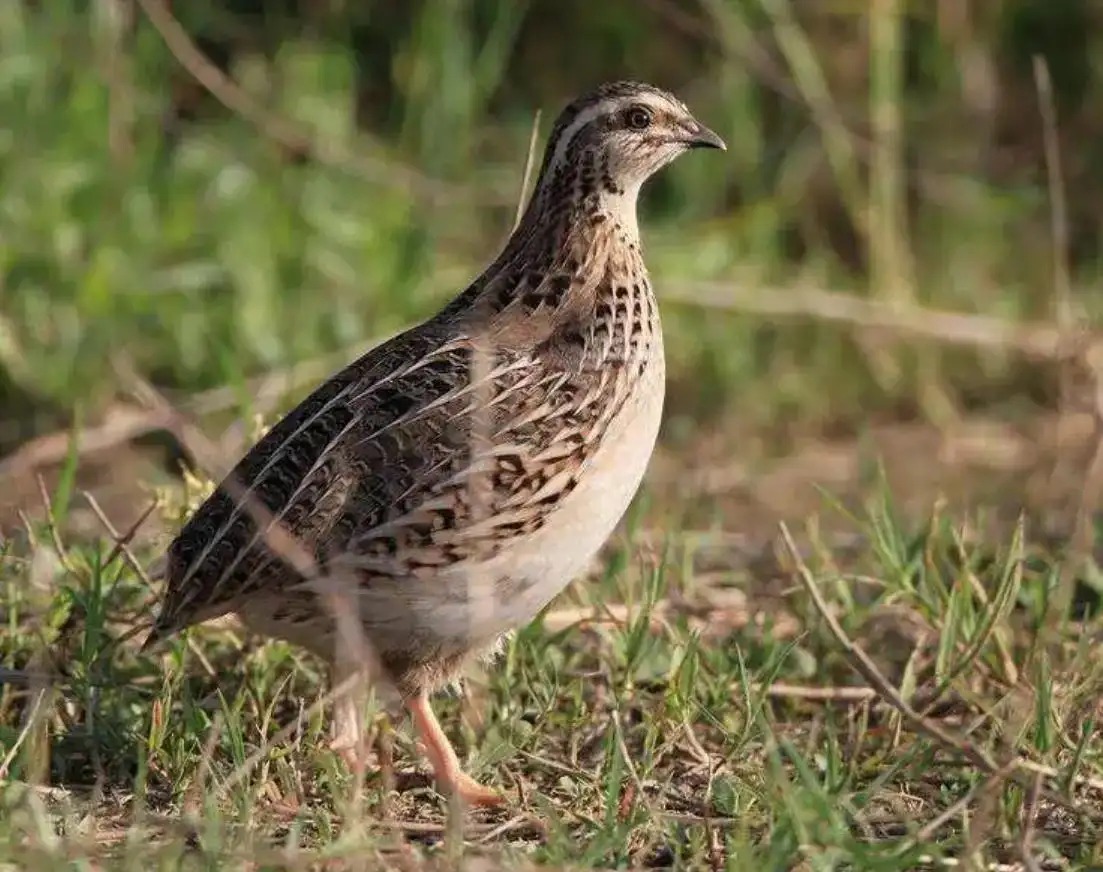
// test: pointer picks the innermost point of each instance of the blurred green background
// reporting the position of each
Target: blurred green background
(885, 149)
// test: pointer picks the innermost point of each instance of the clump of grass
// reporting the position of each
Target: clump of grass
(678, 734)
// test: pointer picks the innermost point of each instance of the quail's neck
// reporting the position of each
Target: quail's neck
(565, 212)
(578, 217)
(595, 190)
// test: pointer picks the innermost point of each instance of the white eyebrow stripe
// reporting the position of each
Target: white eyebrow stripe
(581, 120)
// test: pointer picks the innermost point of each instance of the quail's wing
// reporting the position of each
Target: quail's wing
(424, 452)
(330, 463)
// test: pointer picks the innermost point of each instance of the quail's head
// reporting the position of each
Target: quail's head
(632, 129)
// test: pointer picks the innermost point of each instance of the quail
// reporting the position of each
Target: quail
(460, 475)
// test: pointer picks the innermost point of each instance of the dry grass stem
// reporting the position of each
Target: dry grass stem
(289, 135)
(982, 332)
(868, 669)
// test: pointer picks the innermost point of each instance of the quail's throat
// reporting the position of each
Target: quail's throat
(586, 197)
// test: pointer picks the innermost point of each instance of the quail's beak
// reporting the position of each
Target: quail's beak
(699, 136)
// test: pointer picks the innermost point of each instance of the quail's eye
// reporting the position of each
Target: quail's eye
(639, 118)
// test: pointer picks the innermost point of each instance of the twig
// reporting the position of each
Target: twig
(530, 162)
(635, 786)
(1061, 598)
(123, 423)
(867, 668)
(122, 546)
(554, 765)
(115, 63)
(1084, 533)
(521, 822)
(122, 542)
(481, 435)
(930, 829)
(120, 425)
(1034, 340)
(290, 135)
(695, 746)
(23, 677)
(51, 526)
(28, 725)
(606, 615)
(1030, 812)
(193, 797)
(820, 694)
(242, 772)
(1083, 536)
(269, 387)
(1059, 221)
(275, 535)
(686, 818)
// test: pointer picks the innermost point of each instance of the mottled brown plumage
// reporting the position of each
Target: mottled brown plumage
(461, 474)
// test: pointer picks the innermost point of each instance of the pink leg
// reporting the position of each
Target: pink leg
(349, 732)
(347, 736)
(446, 766)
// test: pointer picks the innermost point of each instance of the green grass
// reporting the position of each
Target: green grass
(218, 258)
(721, 724)
(681, 734)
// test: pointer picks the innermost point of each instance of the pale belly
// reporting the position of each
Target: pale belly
(542, 565)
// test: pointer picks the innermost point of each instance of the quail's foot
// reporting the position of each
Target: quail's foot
(351, 742)
(450, 776)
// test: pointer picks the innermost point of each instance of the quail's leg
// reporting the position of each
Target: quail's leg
(347, 730)
(446, 765)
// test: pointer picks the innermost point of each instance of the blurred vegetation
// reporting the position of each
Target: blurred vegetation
(889, 150)
(139, 215)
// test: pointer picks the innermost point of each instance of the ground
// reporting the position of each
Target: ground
(689, 704)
